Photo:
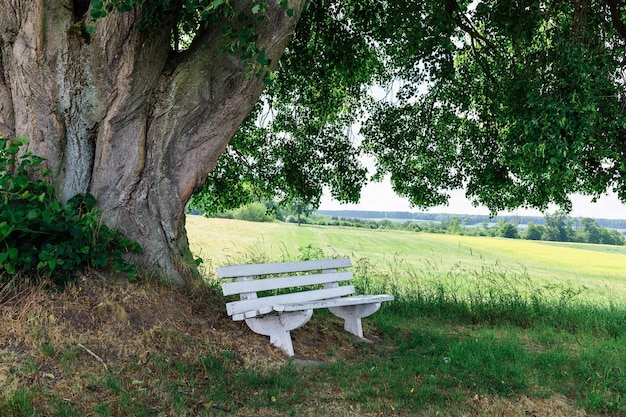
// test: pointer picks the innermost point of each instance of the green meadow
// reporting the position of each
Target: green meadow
(479, 327)
(595, 273)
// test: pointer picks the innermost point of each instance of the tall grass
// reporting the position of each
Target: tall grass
(484, 331)
(492, 294)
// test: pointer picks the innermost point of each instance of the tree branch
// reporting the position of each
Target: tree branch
(98, 358)
(616, 18)
(453, 11)
(207, 95)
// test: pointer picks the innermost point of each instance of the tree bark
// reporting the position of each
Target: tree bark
(120, 115)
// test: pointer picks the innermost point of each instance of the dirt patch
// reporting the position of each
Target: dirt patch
(555, 406)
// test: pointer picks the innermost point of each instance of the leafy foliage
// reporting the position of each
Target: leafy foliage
(40, 236)
(533, 232)
(528, 110)
(521, 103)
(298, 139)
(289, 160)
(508, 230)
(253, 212)
(558, 227)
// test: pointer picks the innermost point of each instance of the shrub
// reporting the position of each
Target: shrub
(253, 212)
(39, 236)
(508, 231)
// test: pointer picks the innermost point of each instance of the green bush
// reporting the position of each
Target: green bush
(508, 231)
(41, 237)
(253, 212)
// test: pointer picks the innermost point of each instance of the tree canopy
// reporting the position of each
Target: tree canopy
(519, 102)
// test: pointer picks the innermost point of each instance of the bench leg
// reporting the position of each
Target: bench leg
(278, 327)
(352, 316)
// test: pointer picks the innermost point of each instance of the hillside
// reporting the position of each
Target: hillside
(110, 348)
(599, 269)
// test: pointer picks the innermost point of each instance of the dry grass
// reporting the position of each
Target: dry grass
(121, 322)
(556, 406)
(60, 342)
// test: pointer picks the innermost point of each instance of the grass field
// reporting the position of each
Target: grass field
(479, 327)
(596, 272)
(483, 318)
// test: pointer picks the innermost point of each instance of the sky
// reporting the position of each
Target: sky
(380, 197)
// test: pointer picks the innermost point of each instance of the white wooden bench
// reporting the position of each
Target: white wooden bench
(276, 315)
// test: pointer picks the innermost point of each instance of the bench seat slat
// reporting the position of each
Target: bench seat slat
(326, 303)
(242, 306)
(239, 287)
(338, 302)
(248, 270)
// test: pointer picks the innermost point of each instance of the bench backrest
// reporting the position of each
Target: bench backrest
(250, 270)
(248, 287)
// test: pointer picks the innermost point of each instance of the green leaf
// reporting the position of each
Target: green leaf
(216, 3)
(46, 215)
(34, 214)
(5, 230)
(21, 141)
(97, 14)
(268, 81)
(52, 264)
(256, 9)
(12, 253)
(126, 242)
(35, 160)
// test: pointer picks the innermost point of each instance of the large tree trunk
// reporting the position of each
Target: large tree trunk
(120, 115)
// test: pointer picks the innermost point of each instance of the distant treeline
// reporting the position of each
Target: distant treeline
(556, 227)
(468, 219)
